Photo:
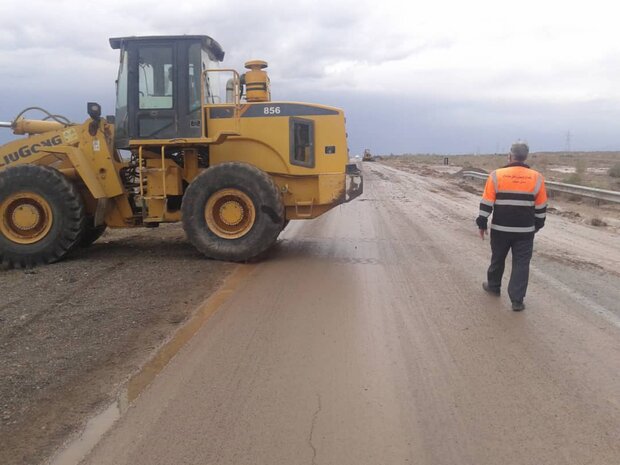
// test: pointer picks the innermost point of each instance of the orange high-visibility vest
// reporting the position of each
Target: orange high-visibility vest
(517, 197)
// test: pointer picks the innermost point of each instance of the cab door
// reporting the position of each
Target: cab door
(153, 90)
(164, 89)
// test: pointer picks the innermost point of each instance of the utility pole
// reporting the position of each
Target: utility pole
(568, 141)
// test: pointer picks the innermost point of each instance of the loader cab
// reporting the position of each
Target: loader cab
(158, 91)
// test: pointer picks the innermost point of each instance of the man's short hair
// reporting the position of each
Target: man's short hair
(519, 151)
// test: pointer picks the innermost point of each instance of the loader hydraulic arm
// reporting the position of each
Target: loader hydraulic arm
(29, 126)
(22, 126)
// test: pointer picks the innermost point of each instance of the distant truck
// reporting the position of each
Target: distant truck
(368, 156)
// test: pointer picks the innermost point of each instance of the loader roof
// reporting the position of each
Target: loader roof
(207, 42)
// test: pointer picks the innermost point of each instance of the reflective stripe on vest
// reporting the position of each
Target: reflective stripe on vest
(514, 229)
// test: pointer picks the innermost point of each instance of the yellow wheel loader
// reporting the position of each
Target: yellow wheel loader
(189, 142)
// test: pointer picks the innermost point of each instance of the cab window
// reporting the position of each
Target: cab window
(156, 75)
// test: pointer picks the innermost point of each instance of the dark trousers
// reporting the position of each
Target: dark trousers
(522, 246)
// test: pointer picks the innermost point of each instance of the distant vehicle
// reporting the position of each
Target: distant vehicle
(367, 156)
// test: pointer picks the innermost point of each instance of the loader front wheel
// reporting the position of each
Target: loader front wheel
(41, 216)
(91, 232)
(232, 211)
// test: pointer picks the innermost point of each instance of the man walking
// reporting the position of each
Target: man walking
(516, 196)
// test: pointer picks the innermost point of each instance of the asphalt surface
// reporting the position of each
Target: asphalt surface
(366, 339)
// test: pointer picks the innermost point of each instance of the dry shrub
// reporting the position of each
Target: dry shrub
(597, 222)
(541, 164)
(575, 178)
(614, 171)
(581, 167)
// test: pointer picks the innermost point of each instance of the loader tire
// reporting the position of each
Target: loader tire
(232, 211)
(41, 216)
(91, 233)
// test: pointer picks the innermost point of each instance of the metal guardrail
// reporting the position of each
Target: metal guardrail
(590, 192)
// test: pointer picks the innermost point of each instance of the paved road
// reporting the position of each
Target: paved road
(366, 339)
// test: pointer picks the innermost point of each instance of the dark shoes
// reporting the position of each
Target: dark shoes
(516, 305)
(486, 287)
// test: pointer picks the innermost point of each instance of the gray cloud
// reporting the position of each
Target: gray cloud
(397, 125)
(346, 54)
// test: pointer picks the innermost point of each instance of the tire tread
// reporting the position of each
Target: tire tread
(57, 190)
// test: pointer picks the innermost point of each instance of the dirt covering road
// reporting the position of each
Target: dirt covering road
(71, 332)
(363, 339)
(586, 168)
(575, 208)
(366, 339)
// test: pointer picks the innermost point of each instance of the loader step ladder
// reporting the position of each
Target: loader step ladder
(303, 208)
(142, 169)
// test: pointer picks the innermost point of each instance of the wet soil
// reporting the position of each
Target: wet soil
(71, 333)
(584, 168)
(367, 339)
(579, 210)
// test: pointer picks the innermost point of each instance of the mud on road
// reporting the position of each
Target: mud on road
(366, 339)
(72, 332)
(575, 208)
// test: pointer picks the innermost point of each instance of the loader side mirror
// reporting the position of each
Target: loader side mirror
(94, 111)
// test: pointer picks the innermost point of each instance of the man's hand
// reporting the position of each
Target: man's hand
(482, 232)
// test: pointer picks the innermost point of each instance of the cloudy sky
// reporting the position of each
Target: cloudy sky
(413, 76)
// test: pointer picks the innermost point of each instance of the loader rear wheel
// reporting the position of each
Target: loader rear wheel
(41, 216)
(232, 211)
